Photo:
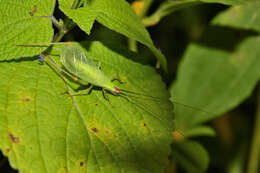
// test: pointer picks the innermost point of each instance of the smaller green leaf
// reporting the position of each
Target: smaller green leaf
(191, 156)
(246, 16)
(120, 17)
(24, 22)
(84, 17)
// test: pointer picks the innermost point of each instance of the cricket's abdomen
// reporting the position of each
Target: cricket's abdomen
(93, 75)
(96, 77)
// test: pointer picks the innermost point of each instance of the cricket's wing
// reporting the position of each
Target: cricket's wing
(72, 57)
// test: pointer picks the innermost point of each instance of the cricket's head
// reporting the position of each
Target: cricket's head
(117, 90)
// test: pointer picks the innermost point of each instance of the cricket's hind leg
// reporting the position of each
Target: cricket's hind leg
(84, 92)
(81, 92)
(105, 92)
(70, 75)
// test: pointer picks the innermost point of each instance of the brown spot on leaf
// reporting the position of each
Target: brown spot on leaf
(96, 104)
(145, 125)
(94, 129)
(26, 99)
(34, 10)
(8, 150)
(13, 138)
(81, 164)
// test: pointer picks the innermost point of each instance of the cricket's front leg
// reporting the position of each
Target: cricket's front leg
(71, 76)
(116, 76)
(104, 94)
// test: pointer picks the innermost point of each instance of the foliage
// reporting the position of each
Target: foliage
(45, 128)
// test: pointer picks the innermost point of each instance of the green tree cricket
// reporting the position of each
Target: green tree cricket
(83, 69)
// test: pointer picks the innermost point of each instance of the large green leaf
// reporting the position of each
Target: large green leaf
(245, 16)
(216, 74)
(84, 17)
(214, 79)
(120, 17)
(41, 130)
(191, 156)
(24, 22)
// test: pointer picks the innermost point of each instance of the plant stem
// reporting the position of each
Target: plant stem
(55, 22)
(59, 36)
(151, 20)
(132, 45)
(166, 8)
(62, 29)
(255, 146)
(68, 24)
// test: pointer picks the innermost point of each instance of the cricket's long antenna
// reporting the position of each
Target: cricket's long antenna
(192, 107)
(127, 92)
(143, 108)
(135, 95)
